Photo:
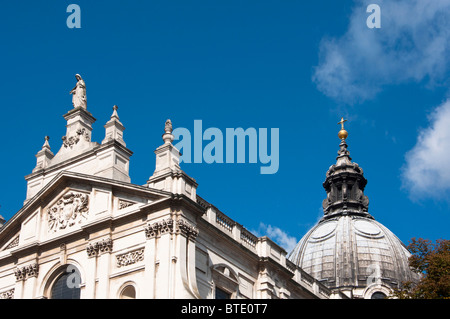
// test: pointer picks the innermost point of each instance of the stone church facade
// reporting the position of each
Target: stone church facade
(86, 231)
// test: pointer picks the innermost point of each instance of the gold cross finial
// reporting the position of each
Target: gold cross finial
(343, 134)
(342, 122)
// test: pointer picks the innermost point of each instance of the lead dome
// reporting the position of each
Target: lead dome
(348, 250)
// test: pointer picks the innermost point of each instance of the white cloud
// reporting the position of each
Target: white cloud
(278, 236)
(426, 173)
(412, 45)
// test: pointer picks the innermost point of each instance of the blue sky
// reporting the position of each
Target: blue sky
(294, 65)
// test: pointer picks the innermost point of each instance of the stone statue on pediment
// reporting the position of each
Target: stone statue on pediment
(79, 93)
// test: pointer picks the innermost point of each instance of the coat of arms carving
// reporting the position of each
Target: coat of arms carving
(71, 209)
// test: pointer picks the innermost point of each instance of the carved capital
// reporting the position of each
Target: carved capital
(166, 226)
(20, 273)
(186, 229)
(92, 250)
(99, 247)
(156, 229)
(183, 227)
(105, 246)
(23, 273)
(151, 231)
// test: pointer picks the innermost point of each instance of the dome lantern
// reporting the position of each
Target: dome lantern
(344, 184)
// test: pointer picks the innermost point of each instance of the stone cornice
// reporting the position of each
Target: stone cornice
(79, 111)
(183, 200)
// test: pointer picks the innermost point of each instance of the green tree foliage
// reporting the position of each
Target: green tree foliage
(432, 260)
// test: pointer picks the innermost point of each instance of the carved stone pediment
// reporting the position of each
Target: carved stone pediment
(71, 209)
(125, 203)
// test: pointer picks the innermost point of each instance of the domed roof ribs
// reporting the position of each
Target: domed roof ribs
(344, 184)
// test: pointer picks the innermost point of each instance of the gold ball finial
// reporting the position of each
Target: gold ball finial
(343, 134)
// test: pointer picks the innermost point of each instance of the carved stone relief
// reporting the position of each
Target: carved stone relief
(130, 258)
(13, 244)
(73, 140)
(71, 209)
(124, 204)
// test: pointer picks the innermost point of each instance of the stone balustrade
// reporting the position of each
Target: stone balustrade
(263, 246)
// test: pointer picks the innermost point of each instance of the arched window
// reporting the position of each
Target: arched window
(378, 295)
(67, 284)
(129, 292)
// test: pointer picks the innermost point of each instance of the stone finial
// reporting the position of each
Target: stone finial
(46, 144)
(168, 126)
(115, 115)
(167, 136)
(114, 128)
(168, 175)
(44, 156)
